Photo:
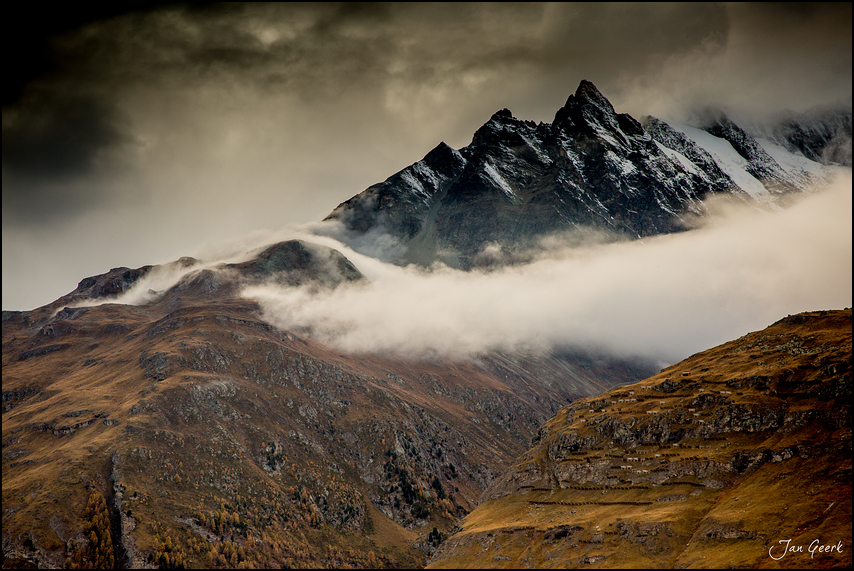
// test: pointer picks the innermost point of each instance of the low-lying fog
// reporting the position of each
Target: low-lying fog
(662, 298)
(665, 297)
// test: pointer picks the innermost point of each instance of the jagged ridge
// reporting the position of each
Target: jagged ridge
(592, 168)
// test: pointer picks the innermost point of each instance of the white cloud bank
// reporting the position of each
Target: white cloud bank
(664, 298)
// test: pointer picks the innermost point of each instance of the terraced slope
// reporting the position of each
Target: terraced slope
(709, 463)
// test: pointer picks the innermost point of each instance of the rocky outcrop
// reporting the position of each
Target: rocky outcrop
(760, 165)
(296, 262)
(704, 164)
(110, 284)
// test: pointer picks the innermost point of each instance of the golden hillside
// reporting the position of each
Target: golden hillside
(189, 432)
(710, 463)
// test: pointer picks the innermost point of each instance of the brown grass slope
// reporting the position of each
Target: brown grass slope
(710, 463)
(188, 432)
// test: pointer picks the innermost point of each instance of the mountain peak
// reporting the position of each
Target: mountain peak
(587, 92)
(445, 160)
(296, 262)
(586, 104)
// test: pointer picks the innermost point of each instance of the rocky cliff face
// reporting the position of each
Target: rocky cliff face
(592, 169)
(709, 463)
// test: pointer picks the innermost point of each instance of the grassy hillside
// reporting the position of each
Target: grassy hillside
(709, 463)
(188, 432)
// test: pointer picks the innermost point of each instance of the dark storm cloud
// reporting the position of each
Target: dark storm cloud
(310, 47)
(629, 37)
(456, 56)
(26, 39)
(50, 148)
(184, 123)
(60, 137)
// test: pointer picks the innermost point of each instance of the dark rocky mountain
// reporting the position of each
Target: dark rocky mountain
(590, 170)
(710, 463)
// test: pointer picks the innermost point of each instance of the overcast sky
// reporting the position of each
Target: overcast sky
(134, 138)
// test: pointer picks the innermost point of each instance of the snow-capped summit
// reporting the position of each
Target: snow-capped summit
(591, 169)
(588, 108)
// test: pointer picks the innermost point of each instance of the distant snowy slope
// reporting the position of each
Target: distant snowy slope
(822, 136)
(778, 167)
(727, 159)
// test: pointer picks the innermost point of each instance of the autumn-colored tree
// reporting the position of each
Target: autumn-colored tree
(97, 553)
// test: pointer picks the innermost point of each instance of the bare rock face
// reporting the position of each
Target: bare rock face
(124, 524)
(110, 284)
(759, 163)
(824, 137)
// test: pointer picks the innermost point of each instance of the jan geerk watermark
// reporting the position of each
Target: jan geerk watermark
(784, 547)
